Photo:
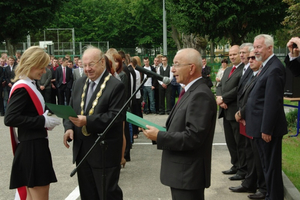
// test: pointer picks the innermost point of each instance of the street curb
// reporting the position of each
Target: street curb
(290, 191)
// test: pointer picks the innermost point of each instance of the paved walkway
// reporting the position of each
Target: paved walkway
(139, 179)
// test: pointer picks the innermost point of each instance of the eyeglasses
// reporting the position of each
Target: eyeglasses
(176, 65)
(91, 65)
(251, 57)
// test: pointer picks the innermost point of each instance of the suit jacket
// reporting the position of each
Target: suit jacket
(2, 77)
(10, 74)
(248, 73)
(186, 157)
(264, 109)
(228, 90)
(21, 113)
(76, 74)
(109, 104)
(45, 79)
(243, 97)
(293, 65)
(59, 77)
(205, 72)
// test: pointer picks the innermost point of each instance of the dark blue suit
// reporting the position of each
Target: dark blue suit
(265, 114)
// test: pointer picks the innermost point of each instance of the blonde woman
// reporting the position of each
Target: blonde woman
(224, 65)
(32, 170)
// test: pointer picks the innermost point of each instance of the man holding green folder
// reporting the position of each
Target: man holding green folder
(187, 143)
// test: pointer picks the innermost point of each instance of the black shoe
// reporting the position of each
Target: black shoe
(154, 142)
(146, 113)
(230, 171)
(161, 113)
(241, 188)
(257, 195)
(236, 177)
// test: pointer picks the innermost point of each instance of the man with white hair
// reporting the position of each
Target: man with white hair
(265, 116)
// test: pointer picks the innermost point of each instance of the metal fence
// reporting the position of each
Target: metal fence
(76, 49)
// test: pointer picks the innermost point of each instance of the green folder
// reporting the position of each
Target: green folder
(140, 122)
(61, 111)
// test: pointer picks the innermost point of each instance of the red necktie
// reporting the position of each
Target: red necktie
(232, 70)
(180, 95)
(64, 75)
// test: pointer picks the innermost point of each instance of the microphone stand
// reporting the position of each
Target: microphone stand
(101, 138)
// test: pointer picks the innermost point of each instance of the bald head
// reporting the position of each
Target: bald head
(187, 65)
(234, 55)
(191, 56)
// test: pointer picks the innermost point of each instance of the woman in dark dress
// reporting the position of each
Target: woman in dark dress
(32, 163)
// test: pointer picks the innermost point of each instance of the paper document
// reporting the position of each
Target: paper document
(140, 122)
(61, 111)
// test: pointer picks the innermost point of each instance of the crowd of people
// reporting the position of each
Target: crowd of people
(249, 95)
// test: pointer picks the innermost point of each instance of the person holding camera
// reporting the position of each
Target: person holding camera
(292, 60)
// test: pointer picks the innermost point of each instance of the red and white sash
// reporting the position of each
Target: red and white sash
(39, 103)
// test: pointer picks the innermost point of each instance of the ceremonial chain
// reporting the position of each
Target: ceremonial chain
(84, 131)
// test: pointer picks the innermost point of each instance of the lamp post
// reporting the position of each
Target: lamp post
(164, 30)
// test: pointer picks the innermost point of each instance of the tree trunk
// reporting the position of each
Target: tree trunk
(194, 41)
(10, 48)
(176, 37)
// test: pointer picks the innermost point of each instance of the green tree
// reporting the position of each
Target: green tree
(231, 19)
(124, 23)
(21, 17)
(292, 20)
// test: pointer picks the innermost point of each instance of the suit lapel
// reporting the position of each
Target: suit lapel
(96, 90)
(182, 100)
(264, 69)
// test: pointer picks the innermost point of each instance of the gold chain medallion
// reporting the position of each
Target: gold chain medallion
(91, 111)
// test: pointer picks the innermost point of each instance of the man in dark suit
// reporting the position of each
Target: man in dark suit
(206, 73)
(265, 116)
(187, 143)
(254, 180)
(292, 60)
(64, 82)
(227, 100)
(9, 75)
(10, 72)
(106, 95)
(246, 73)
(2, 82)
(164, 89)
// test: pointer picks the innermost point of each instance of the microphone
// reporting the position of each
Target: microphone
(150, 73)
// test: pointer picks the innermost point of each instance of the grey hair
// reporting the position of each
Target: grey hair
(269, 41)
(249, 45)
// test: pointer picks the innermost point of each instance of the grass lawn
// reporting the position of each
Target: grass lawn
(291, 153)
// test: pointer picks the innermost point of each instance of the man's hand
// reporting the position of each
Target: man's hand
(224, 106)
(294, 52)
(266, 137)
(151, 132)
(164, 86)
(80, 121)
(68, 137)
(238, 116)
(42, 87)
(152, 87)
(219, 100)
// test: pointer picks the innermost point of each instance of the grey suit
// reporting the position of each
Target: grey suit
(186, 157)
(76, 74)
(46, 82)
(228, 89)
